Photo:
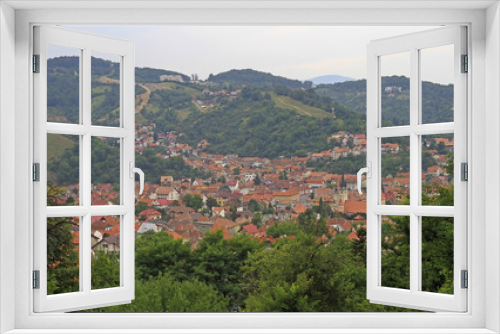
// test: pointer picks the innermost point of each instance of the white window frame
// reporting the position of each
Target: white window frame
(484, 264)
(413, 44)
(86, 44)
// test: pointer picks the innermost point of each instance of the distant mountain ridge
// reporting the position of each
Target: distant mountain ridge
(330, 79)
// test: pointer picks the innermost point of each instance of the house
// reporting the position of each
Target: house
(166, 181)
(220, 211)
(233, 185)
(178, 212)
(251, 229)
(150, 214)
(168, 193)
(354, 207)
(108, 245)
(146, 227)
(287, 198)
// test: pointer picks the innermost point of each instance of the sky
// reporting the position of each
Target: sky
(296, 52)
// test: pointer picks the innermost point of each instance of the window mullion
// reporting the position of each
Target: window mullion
(86, 168)
(415, 266)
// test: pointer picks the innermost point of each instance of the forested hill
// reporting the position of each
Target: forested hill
(257, 124)
(258, 114)
(437, 100)
(110, 69)
(252, 78)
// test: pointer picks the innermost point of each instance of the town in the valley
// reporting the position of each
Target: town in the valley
(247, 195)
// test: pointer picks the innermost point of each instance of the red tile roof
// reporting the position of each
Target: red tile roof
(251, 229)
(351, 206)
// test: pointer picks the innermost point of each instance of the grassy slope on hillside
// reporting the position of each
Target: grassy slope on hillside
(286, 102)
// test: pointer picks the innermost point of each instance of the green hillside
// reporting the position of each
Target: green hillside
(437, 100)
(254, 125)
(252, 78)
(57, 145)
(286, 102)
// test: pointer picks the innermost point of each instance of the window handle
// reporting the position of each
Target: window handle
(133, 171)
(368, 171)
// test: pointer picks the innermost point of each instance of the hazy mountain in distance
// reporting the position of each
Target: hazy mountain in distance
(330, 79)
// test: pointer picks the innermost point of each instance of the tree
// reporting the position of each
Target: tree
(140, 206)
(254, 206)
(302, 275)
(160, 253)
(283, 229)
(257, 219)
(218, 262)
(237, 171)
(310, 225)
(257, 181)
(62, 257)
(193, 201)
(105, 270)
(211, 202)
(164, 293)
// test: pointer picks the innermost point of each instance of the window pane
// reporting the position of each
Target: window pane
(63, 170)
(395, 169)
(105, 252)
(395, 91)
(437, 170)
(105, 171)
(63, 84)
(437, 75)
(63, 240)
(105, 89)
(396, 252)
(437, 254)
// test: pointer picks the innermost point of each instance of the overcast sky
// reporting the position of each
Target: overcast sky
(296, 52)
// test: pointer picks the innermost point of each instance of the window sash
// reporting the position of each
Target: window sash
(414, 298)
(86, 297)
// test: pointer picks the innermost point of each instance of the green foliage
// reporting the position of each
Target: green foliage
(62, 257)
(219, 260)
(63, 99)
(396, 252)
(154, 167)
(254, 126)
(302, 275)
(146, 74)
(193, 201)
(283, 229)
(105, 163)
(105, 103)
(254, 206)
(211, 202)
(252, 78)
(306, 96)
(309, 223)
(157, 253)
(140, 206)
(257, 219)
(437, 100)
(164, 293)
(105, 270)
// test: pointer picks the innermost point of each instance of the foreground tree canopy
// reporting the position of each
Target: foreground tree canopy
(304, 270)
